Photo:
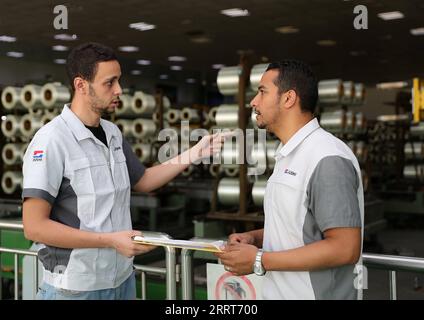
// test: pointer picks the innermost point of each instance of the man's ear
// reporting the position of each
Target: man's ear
(80, 85)
(289, 99)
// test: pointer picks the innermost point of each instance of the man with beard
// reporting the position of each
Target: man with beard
(78, 174)
(313, 203)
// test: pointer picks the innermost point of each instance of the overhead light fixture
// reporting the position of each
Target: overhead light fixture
(417, 31)
(218, 66)
(176, 68)
(135, 72)
(144, 62)
(392, 15)
(65, 37)
(163, 76)
(392, 85)
(287, 29)
(326, 43)
(60, 48)
(14, 54)
(59, 61)
(142, 26)
(200, 39)
(7, 39)
(177, 58)
(128, 49)
(235, 12)
(3, 118)
(191, 80)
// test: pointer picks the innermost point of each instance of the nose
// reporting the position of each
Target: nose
(254, 103)
(118, 89)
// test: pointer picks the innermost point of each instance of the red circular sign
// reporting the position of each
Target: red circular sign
(232, 287)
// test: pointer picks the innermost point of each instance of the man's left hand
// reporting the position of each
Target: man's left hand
(238, 258)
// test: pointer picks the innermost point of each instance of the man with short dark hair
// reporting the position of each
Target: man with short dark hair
(78, 174)
(313, 204)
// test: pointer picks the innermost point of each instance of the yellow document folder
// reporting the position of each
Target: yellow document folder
(214, 246)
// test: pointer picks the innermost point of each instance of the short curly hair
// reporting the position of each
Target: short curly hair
(298, 76)
(82, 60)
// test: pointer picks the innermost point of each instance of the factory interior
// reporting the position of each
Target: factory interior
(190, 65)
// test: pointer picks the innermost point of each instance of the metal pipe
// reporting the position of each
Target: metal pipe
(16, 276)
(398, 263)
(36, 276)
(171, 285)
(143, 286)
(148, 269)
(187, 274)
(11, 225)
(18, 251)
(392, 281)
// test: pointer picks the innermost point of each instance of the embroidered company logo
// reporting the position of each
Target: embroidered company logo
(38, 155)
(117, 148)
(292, 173)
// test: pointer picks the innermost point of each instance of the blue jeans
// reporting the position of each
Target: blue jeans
(126, 291)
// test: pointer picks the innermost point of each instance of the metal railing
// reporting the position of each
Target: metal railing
(393, 264)
(372, 261)
(171, 270)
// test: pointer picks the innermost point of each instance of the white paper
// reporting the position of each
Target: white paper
(214, 246)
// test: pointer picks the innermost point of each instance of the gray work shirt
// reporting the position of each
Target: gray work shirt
(88, 186)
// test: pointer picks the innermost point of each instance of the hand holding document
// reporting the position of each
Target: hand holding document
(214, 246)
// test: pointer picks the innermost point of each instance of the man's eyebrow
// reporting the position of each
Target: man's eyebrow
(261, 87)
(111, 78)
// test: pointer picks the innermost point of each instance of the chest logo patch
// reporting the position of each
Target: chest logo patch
(290, 172)
(38, 155)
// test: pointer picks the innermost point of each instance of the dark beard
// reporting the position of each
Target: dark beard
(106, 112)
(102, 112)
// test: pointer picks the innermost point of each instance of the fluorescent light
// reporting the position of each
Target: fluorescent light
(15, 54)
(176, 68)
(7, 39)
(163, 76)
(60, 48)
(235, 12)
(287, 29)
(326, 43)
(392, 15)
(191, 80)
(60, 61)
(218, 66)
(417, 31)
(142, 26)
(392, 85)
(135, 72)
(65, 37)
(128, 49)
(177, 58)
(144, 62)
(200, 39)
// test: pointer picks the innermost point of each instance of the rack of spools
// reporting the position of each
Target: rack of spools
(139, 116)
(246, 160)
(24, 110)
(337, 102)
(413, 152)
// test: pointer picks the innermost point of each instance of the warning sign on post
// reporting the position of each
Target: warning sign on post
(224, 285)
